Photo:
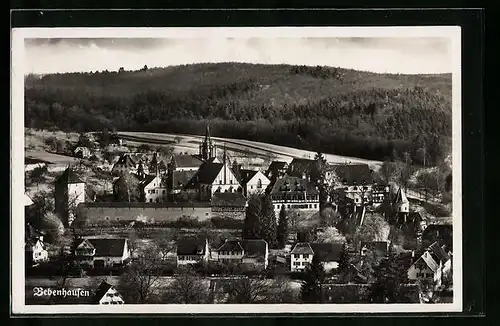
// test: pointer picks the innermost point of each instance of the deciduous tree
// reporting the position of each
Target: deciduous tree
(312, 282)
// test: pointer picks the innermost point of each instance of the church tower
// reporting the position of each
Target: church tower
(401, 206)
(207, 148)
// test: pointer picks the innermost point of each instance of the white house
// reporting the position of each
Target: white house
(433, 265)
(107, 294)
(154, 189)
(253, 182)
(103, 252)
(301, 256)
(185, 162)
(248, 251)
(35, 251)
(192, 251)
(303, 253)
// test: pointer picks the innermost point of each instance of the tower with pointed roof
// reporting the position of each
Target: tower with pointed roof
(401, 205)
(207, 148)
(69, 192)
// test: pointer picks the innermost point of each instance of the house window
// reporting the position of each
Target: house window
(259, 184)
(251, 187)
(150, 200)
(157, 200)
(164, 192)
(117, 218)
(315, 205)
(107, 218)
(306, 256)
(220, 181)
(206, 214)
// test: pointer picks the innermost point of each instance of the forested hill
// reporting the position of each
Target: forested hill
(327, 109)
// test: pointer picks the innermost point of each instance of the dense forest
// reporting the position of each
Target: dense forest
(332, 110)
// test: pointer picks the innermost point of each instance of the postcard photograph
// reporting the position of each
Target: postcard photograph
(236, 170)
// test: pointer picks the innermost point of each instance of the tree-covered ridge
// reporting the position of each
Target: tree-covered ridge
(327, 109)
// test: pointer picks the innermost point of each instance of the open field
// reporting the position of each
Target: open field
(258, 149)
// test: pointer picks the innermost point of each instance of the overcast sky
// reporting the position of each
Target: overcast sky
(392, 55)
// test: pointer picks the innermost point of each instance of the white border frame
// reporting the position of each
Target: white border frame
(17, 172)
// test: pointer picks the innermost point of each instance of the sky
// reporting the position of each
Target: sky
(375, 54)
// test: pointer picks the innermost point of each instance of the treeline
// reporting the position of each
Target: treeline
(362, 121)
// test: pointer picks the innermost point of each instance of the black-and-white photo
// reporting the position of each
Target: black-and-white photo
(261, 167)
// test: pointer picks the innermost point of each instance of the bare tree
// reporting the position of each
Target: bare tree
(140, 282)
(247, 290)
(330, 235)
(186, 288)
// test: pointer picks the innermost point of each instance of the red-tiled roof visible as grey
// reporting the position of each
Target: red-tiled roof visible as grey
(290, 184)
(276, 166)
(186, 161)
(254, 247)
(206, 174)
(327, 251)
(299, 166)
(400, 197)
(191, 246)
(101, 291)
(126, 160)
(68, 177)
(302, 248)
(181, 178)
(246, 175)
(231, 245)
(228, 199)
(353, 174)
(438, 252)
(105, 247)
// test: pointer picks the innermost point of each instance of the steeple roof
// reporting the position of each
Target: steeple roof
(69, 176)
(400, 197)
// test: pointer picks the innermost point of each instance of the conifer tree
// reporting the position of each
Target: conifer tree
(344, 261)
(282, 235)
(312, 282)
(251, 228)
(268, 226)
(390, 281)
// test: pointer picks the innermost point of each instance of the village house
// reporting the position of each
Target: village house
(103, 252)
(357, 183)
(125, 164)
(276, 170)
(253, 182)
(191, 251)
(229, 205)
(442, 233)
(177, 180)
(107, 294)
(432, 266)
(154, 189)
(35, 249)
(213, 177)
(69, 192)
(253, 252)
(184, 162)
(296, 194)
(379, 194)
(301, 256)
(82, 152)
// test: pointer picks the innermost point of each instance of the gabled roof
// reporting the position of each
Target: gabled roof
(246, 175)
(302, 248)
(299, 166)
(438, 252)
(206, 174)
(328, 251)
(429, 261)
(292, 184)
(400, 197)
(101, 291)
(254, 247)
(148, 179)
(108, 247)
(68, 177)
(126, 160)
(231, 245)
(181, 178)
(276, 166)
(353, 174)
(122, 178)
(191, 246)
(186, 161)
(228, 199)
